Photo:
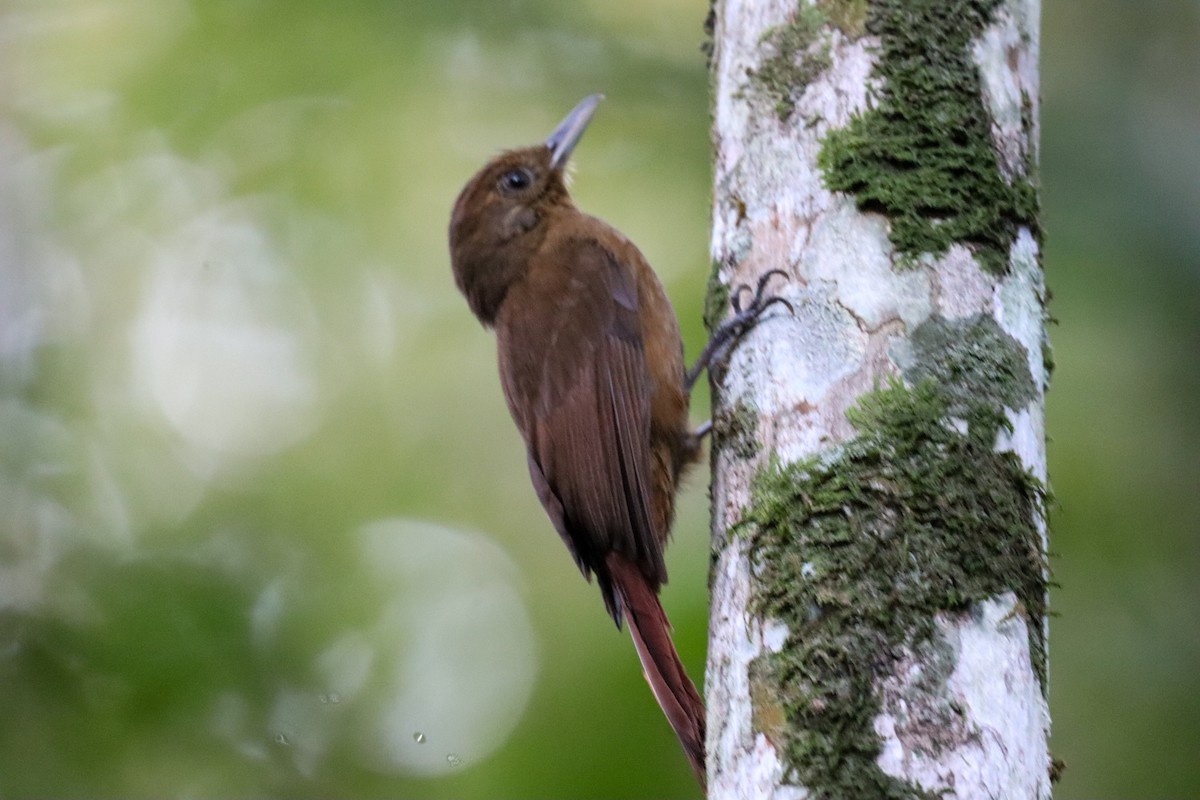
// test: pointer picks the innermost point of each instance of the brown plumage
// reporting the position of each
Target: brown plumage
(591, 362)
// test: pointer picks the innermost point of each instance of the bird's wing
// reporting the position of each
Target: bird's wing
(585, 411)
(580, 392)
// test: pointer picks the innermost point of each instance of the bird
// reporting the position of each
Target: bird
(592, 368)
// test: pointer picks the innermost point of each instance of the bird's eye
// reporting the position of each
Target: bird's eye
(515, 180)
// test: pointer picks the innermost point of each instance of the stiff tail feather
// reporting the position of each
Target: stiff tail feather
(651, 631)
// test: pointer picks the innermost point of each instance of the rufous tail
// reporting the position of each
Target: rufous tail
(651, 631)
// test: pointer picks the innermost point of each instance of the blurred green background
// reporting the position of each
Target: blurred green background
(265, 526)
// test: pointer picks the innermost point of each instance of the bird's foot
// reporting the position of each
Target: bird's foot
(734, 328)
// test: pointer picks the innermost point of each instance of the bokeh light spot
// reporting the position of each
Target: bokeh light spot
(464, 664)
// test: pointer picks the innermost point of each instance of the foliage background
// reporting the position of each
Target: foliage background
(265, 527)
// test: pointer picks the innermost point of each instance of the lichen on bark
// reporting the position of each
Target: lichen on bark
(857, 552)
(735, 429)
(794, 53)
(924, 155)
(716, 299)
(981, 371)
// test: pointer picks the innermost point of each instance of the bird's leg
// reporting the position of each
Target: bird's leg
(732, 329)
(729, 332)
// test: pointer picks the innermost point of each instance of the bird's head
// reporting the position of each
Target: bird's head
(498, 218)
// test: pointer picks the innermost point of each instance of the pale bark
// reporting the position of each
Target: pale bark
(856, 303)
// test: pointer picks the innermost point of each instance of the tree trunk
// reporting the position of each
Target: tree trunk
(879, 587)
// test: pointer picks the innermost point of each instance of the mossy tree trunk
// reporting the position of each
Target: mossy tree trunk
(879, 579)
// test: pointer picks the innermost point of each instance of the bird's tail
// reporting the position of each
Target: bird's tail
(651, 631)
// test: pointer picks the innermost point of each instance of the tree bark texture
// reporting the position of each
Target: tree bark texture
(879, 583)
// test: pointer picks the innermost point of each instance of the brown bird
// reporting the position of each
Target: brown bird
(591, 362)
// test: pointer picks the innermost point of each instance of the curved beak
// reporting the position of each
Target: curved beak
(569, 131)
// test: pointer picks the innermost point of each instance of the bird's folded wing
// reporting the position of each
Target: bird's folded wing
(589, 431)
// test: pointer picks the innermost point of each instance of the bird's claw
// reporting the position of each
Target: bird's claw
(742, 321)
(757, 303)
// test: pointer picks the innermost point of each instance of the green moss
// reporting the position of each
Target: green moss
(768, 715)
(924, 156)
(716, 299)
(857, 553)
(848, 16)
(981, 369)
(794, 54)
(735, 430)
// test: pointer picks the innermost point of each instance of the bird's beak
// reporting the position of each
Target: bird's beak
(569, 131)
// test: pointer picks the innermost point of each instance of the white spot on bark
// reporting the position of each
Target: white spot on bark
(847, 87)
(1027, 439)
(774, 635)
(789, 363)
(1008, 71)
(980, 731)
(852, 250)
(1019, 306)
(963, 289)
